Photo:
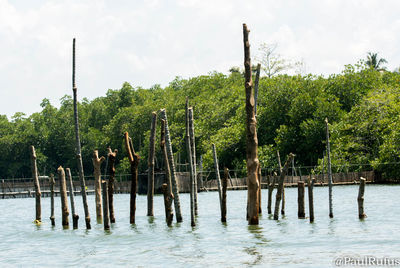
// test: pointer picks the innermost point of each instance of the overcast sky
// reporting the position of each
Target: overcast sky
(152, 42)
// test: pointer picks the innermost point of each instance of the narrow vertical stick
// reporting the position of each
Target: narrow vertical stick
(134, 161)
(217, 176)
(328, 152)
(193, 149)
(360, 199)
(283, 189)
(167, 187)
(64, 198)
(97, 184)
(310, 184)
(35, 177)
(224, 188)
(150, 162)
(75, 216)
(251, 137)
(106, 213)
(300, 200)
(111, 156)
(52, 182)
(171, 162)
(200, 177)
(190, 160)
(271, 187)
(280, 186)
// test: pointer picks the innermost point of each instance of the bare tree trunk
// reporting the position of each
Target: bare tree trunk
(35, 177)
(283, 186)
(360, 199)
(328, 152)
(97, 183)
(150, 180)
(271, 187)
(134, 161)
(167, 187)
(174, 181)
(106, 213)
(190, 160)
(193, 149)
(64, 198)
(251, 138)
(300, 200)
(280, 186)
(75, 216)
(217, 176)
(78, 143)
(310, 185)
(111, 171)
(224, 188)
(52, 182)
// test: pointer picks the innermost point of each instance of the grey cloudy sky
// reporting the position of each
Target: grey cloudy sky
(152, 42)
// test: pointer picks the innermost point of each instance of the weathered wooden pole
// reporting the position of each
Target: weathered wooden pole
(166, 187)
(35, 177)
(111, 157)
(64, 198)
(106, 212)
(134, 161)
(97, 184)
(78, 143)
(300, 200)
(328, 152)
(75, 216)
(271, 187)
(193, 150)
(200, 177)
(310, 184)
(224, 188)
(190, 160)
(283, 189)
(251, 137)
(150, 180)
(52, 182)
(360, 199)
(171, 162)
(280, 186)
(217, 176)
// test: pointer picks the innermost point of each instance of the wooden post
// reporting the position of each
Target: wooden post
(200, 177)
(251, 137)
(280, 186)
(271, 187)
(52, 182)
(97, 184)
(111, 181)
(328, 152)
(171, 162)
(150, 180)
(283, 189)
(300, 200)
(256, 88)
(310, 184)
(217, 176)
(167, 188)
(134, 161)
(106, 213)
(259, 189)
(224, 188)
(78, 143)
(193, 149)
(64, 198)
(190, 160)
(75, 216)
(35, 177)
(360, 199)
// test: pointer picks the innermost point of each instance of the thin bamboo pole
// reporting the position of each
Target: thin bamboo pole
(193, 149)
(111, 157)
(217, 176)
(224, 188)
(328, 152)
(52, 182)
(190, 160)
(38, 194)
(167, 187)
(150, 180)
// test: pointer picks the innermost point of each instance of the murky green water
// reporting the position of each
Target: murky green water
(150, 243)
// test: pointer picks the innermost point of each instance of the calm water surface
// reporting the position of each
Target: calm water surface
(289, 242)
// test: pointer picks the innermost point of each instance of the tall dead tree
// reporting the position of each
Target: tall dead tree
(52, 182)
(64, 198)
(251, 137)
(78, 143)
(134, 161)
(35, 176)
(193, 149)
(174, 179)
(97, 184)
(217, 176)
(328, 152)
(75, 216)
(150, 180)
(111, 156)
(167, 187)
(280, 186)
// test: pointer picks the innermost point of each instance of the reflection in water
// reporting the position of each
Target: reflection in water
(254, 250)
(332, 226)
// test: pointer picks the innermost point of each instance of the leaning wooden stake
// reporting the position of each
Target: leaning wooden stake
(224, 188)
(166, 187)
(328, 152)
(193, 150)
(217, 176)
(75, 216)
(283, 189)
(134, 161)
(360, 199)
(310, 184)
(280, 186)
(78, 143)
(251, 137)
(64, 198)
(106, 212)
(111, 181)
(97, 184)
(301, 214)
(271, 187)
(150, 180)
(35, 177)
(52, 182)
(174, 179)
(190, 160)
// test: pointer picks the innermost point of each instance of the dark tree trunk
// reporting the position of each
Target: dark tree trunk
(75, 216)
(106, 213)
(190, 160)
(134, 161)
(97, 184)
(111, 172)
(360, 199)
(35, 177)
(310, 185)
(224, 188)
(64, 198)
(167, 187)
(300, 200)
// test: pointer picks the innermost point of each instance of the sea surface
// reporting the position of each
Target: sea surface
(288, 242)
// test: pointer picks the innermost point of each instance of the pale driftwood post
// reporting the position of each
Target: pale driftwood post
(271, 187)
(190, 160)
(193, 149)
(300, 200)
(166, 187)
(150, 162)
(217, 176)
(111, 172)
(75, 216)
(35, 177)
(97, 184)
(64, 198)
(224, 188)
(280, 186)
(328, 152)
(251, 137)
(52, 182)
(171, 162)
(360, 199)
(134, 161)
(283, 189)
(78, 143)
(106, 213)
(310, 184)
